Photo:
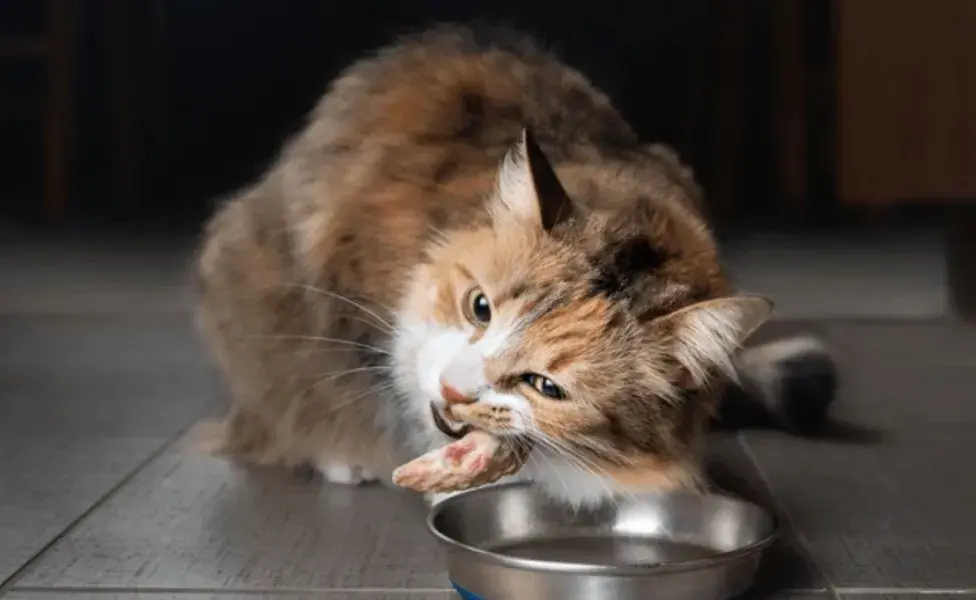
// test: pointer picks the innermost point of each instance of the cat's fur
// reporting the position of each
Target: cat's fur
(334, 289)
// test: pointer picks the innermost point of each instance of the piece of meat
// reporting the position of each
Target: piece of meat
(474, 460)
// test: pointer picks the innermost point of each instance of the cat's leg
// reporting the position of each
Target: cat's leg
(241, 437)
(294, 403)
(331, 425)
(236, 282)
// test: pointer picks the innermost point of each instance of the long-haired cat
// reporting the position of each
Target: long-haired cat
(465, 220)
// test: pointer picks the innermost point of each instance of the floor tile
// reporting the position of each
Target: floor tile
(893, 508)
(193, 521)
(909, 595)
(197, 522)
(85, 399)
(364, 594)
(100, 376)
(872, 343)
(316, 595)
(804, 595)
(887, 273)
(90, 273)
(46, 482)
(923, 537)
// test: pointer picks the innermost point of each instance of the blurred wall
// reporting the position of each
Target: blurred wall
(217, 85)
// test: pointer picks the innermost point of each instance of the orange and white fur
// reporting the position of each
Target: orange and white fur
(467, 234)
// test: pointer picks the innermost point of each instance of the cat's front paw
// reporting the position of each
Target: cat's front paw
(476, 459)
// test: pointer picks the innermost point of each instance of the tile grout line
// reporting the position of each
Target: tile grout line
(800, 538)
(876, 591)
(11, 581)
(292, 591)
(285, 591)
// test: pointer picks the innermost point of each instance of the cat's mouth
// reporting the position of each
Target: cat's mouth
(454, 429)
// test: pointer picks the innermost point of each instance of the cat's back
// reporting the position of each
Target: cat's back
(468, 89)
(407, 141)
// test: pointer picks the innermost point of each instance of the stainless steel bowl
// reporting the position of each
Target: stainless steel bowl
(508, 542)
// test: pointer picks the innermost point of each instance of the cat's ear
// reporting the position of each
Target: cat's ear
(704, 337)
(528, 187)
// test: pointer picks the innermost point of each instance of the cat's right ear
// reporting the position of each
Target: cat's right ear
(528, 187)
(703, 337)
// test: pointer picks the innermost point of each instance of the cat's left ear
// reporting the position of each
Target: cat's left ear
(528, 187)
(704, 337)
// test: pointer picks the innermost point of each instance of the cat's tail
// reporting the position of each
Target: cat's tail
(788, 384)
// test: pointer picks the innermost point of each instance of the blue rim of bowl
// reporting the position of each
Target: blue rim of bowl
(465, 594)
(569, 568)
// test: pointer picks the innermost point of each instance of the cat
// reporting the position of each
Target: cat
(464, 218)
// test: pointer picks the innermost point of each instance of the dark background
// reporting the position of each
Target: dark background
(180, 101)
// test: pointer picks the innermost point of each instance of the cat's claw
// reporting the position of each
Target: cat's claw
(476, 459)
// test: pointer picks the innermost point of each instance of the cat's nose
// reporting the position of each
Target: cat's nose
(452, 395)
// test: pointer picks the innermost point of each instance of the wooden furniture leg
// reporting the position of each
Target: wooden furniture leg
(122, 51)
(961, 259)
(789, 119)
(731, 21)
(59, 106)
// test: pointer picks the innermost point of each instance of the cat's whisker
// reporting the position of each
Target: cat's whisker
(555, 472)
(343, 298)
(566, 452)
(315, 338)
(522, 444)
(548, 444)
(581, 441)
(578, 460)
(542, 420)
(335, 375)
(582, 458)
(380, 328)
(319, 382)
(328, 349)
(377, 389)
(614, 490)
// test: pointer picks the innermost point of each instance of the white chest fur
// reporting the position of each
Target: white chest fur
(567, 480)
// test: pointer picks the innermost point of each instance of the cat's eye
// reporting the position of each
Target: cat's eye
(477, 308)
(544, 386)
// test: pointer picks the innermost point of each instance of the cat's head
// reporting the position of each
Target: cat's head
(587, 333)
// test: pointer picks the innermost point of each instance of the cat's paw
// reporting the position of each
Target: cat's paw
(451, 468)
(345, 474)
(476, 459)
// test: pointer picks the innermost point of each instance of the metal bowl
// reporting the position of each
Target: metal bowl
(508, 542)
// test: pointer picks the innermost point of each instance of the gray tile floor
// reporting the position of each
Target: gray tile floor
(100, 374)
